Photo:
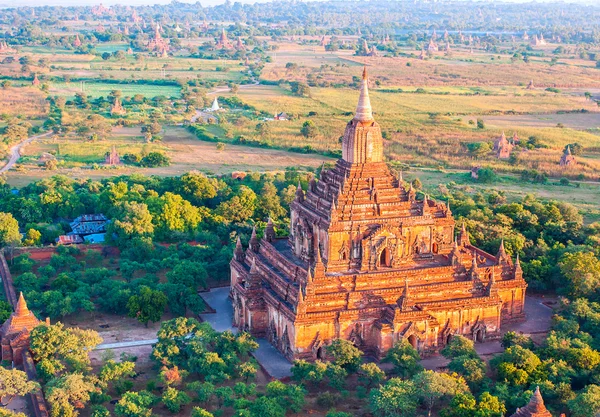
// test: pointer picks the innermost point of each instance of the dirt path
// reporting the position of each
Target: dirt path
(227, 89)
(15, 151)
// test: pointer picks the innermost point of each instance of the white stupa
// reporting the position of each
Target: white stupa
(215, 106)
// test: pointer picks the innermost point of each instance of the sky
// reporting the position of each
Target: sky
(13, 3)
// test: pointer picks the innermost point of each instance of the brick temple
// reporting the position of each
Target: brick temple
(368, 262)
(14, 333)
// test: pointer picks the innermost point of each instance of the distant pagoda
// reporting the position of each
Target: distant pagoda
(35, 81)
(77, 41)
(223, 42)
(157, 43)
(117, 108)
(503, 147)
(5, 48)
(112, 157)
(567, 159)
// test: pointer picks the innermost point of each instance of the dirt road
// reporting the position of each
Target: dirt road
(15, 151)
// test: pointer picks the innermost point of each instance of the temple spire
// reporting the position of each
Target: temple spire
(21, 310)
(364, 112)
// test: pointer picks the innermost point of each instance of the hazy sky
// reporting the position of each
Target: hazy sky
(13, 3)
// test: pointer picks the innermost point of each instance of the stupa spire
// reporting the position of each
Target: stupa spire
(21, 310)
(364, 112)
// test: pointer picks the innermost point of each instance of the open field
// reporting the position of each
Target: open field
(186, 152)
(100, 89)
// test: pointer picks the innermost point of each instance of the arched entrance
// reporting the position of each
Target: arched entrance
(384, 258)
(321, 353)
(479, 335)
(434, 248)
(412, 339)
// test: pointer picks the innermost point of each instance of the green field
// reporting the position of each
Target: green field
(99, 89)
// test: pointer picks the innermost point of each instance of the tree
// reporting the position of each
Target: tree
(113, 371)
(269, 203)
(582, 272)
(155, 159)
(32, 238)
(189, 273)
(370, 374)
(459, 346)
(69, 392)
(147, 305)
(486, 175)
(345, 354)
(133, 220)
(55, 348)
(135, 404)
(201, 412)
(394, 399)
(8, 413)
(431, 387)
(173, 399)
(263, 129)
(309, 129)
(5, 311)
(198, 187)
(480, 124)
(587, 402)
(240, 207)
(14, 382)
(405, 359)
(9, 230)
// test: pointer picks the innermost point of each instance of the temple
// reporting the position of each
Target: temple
(535, 407)
(503, 147)
(14, 333)
(158, 44)
(567, 159)
(368, 262)
(223, 42)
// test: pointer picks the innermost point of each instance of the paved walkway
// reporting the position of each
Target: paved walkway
(270, 358)
(15, 151)
(133, 343)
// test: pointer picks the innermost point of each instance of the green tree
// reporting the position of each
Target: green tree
(240, 207)
(9, 230)
(188, 273)
(345, 354)
(405, 359)
(13, 383)
(431, 387)
(68, 392)
(269, 203)
(173, 399)
(459, 346)
(309, 129)
(147, 305)
(370, 374)
(201, 412)
(135, 404)
(582, 272)
(587, 402)
(397, 398)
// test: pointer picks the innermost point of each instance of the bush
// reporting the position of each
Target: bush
(155, 159)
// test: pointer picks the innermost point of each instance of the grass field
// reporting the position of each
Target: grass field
(186, 152)
(98, 89)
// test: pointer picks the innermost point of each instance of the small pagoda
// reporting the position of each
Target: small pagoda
(36, 81)
(567, 159)
(14, 333)
(223, 42)
(117, 108)
(530, 86)
(112, 157)
(77, 41)
(535, 407)
(5, 48)
(503, 147)
(157, 43)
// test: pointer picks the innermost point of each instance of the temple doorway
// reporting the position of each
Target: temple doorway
(384, 258)
(412, 339)
(434, 248)
(320, 353)
(479, 336)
